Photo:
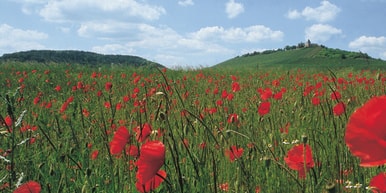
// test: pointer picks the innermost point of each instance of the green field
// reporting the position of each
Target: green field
(316, 57)
(59, 121)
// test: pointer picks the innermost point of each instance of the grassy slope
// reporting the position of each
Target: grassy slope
(314, 57)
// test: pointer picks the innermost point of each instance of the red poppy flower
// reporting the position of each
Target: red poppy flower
(264, 108)
(58, 88)
(233, 153)
(265, 94)
(378, 183)
(295, 159)
(36, 100)
(366, 134)
(219, 102)
(339, 109)
(151, 158)
(224, 94)
(224, 187)
(8, 121)
(315, 100)
(230, 96)
(108, 86)
(233, 118)
(94, 154)
(152, 184)
(121, 137)
(235, 86)
(144, 132)
(278, 96)
(107, 105)
(132, 150)
(335, 95)
(29, 187)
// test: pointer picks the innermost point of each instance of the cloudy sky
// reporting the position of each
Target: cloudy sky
(195, 33)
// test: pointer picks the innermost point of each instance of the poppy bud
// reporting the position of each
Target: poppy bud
(304, 138)
(267, 162)
(330, 187)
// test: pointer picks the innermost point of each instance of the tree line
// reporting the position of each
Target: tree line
(77, 57)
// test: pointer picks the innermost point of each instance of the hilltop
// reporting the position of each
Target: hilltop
(312, 56)
(77, 57)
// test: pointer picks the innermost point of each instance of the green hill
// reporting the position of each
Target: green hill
(305, 57)
(77, 57)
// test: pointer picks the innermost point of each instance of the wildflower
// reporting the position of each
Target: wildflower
(152, 184)
(58, 88)
(132, 150)
(235, 86)
(121, 137)
(295, 159)
(224, 94)
(378, 183)
(335, 95)
(365, 132)
(264, 108)
(233, 118)
(29, 187)
(151, 158)
(339, 109)
(8, 121)
(108, 86)
(36, 100)
(233, 153)
(224, 186)
(278, 96)
(143, 132)
(315, 101)
(265, 94)
(107, 104)
(94, 154)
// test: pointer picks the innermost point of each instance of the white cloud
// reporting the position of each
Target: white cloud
(321, 32)
(62, 11)
(186, 3)
(114, 48)
(294, 14)
(233, 9)
(375, 46)
(254, 33)
(368, 41)
(13, 39)
(383, 55)
(324, 13)
(107, 29)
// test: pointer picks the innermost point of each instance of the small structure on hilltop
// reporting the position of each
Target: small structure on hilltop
(308, 44)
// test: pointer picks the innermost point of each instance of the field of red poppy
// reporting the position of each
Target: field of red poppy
(67, 128)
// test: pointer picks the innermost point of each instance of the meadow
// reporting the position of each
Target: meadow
(68, 128)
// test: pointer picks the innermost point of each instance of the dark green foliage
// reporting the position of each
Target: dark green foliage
(77, 57)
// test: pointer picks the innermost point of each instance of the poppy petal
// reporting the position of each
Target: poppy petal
(295, 159)
(365, 134)
(121, 137)
(144, 132)
(151, 158)
(152, 184)
(378, 183)
(29, 187)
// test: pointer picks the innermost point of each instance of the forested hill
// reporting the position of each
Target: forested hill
(77, 57)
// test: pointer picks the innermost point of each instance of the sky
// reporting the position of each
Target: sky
(191, 33)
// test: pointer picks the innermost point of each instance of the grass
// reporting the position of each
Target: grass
(318, 58)
(189, 115)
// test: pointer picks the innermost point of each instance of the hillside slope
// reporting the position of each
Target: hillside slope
(307, 57)
(77, 57)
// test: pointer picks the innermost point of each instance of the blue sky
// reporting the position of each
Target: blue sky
(191, 33)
